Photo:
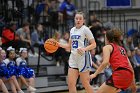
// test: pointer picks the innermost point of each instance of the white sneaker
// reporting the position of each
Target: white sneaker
(30, 55)
(20, 91)
(57, 64)
(30, 88)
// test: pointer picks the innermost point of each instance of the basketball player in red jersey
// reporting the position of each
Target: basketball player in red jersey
(115, 55)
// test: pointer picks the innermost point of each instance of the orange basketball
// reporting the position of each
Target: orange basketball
(51, 45)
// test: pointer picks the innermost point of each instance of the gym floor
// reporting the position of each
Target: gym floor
(80, 91)
(83, 91)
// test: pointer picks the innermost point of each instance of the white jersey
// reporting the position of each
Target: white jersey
(79, 38)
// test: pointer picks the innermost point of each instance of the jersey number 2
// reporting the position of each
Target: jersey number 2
(122, 51)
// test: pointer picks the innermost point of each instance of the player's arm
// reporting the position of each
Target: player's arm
(92, 42)
(66, 46)
(91, 39)
(91, 46)
(24, 39)
(106, 56)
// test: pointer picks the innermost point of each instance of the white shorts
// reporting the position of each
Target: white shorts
(82, 63)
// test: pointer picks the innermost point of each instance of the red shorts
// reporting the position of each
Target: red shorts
(120, 79)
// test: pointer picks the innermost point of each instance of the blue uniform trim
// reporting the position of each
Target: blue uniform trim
(89, 60)
(84, 65)
(85, 57)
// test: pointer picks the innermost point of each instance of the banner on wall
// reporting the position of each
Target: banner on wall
(118, 3)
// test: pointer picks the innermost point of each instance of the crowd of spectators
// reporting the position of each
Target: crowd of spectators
(48, 12)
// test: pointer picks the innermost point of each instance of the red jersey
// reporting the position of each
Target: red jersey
(118, 57)
(7, 35)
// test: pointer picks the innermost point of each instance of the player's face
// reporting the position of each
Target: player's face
(79, 20)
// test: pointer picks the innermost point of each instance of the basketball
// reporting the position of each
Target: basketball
(51, 45)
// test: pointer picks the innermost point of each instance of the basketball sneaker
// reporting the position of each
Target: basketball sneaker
(30, 88)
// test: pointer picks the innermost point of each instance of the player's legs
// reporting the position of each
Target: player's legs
(85, 79)
(72, 79)
(107, 89)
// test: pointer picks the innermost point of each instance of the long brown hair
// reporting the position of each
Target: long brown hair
(114, 36)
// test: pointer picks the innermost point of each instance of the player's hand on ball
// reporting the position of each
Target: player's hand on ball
(81, 51)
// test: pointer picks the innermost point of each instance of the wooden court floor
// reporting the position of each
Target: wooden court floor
(83, 91)
(79, 91)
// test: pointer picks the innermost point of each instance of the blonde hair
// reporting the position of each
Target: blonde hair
(56, 35)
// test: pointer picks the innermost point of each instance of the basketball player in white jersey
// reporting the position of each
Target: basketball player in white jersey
(80, 42)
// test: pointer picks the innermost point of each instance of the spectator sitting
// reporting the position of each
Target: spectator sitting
(95, 66)
(25, 74)
(66, 13)
(128, 43)
(8, 35)
(134, 33)
(37, 35)
(57, 55)
(11, 66)
(37, 38)
(53, 14)
(65, 40)
(24, 36)
(137, 69)
(41, 10)
(138, 55)
(65, 53)
(96, 29)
